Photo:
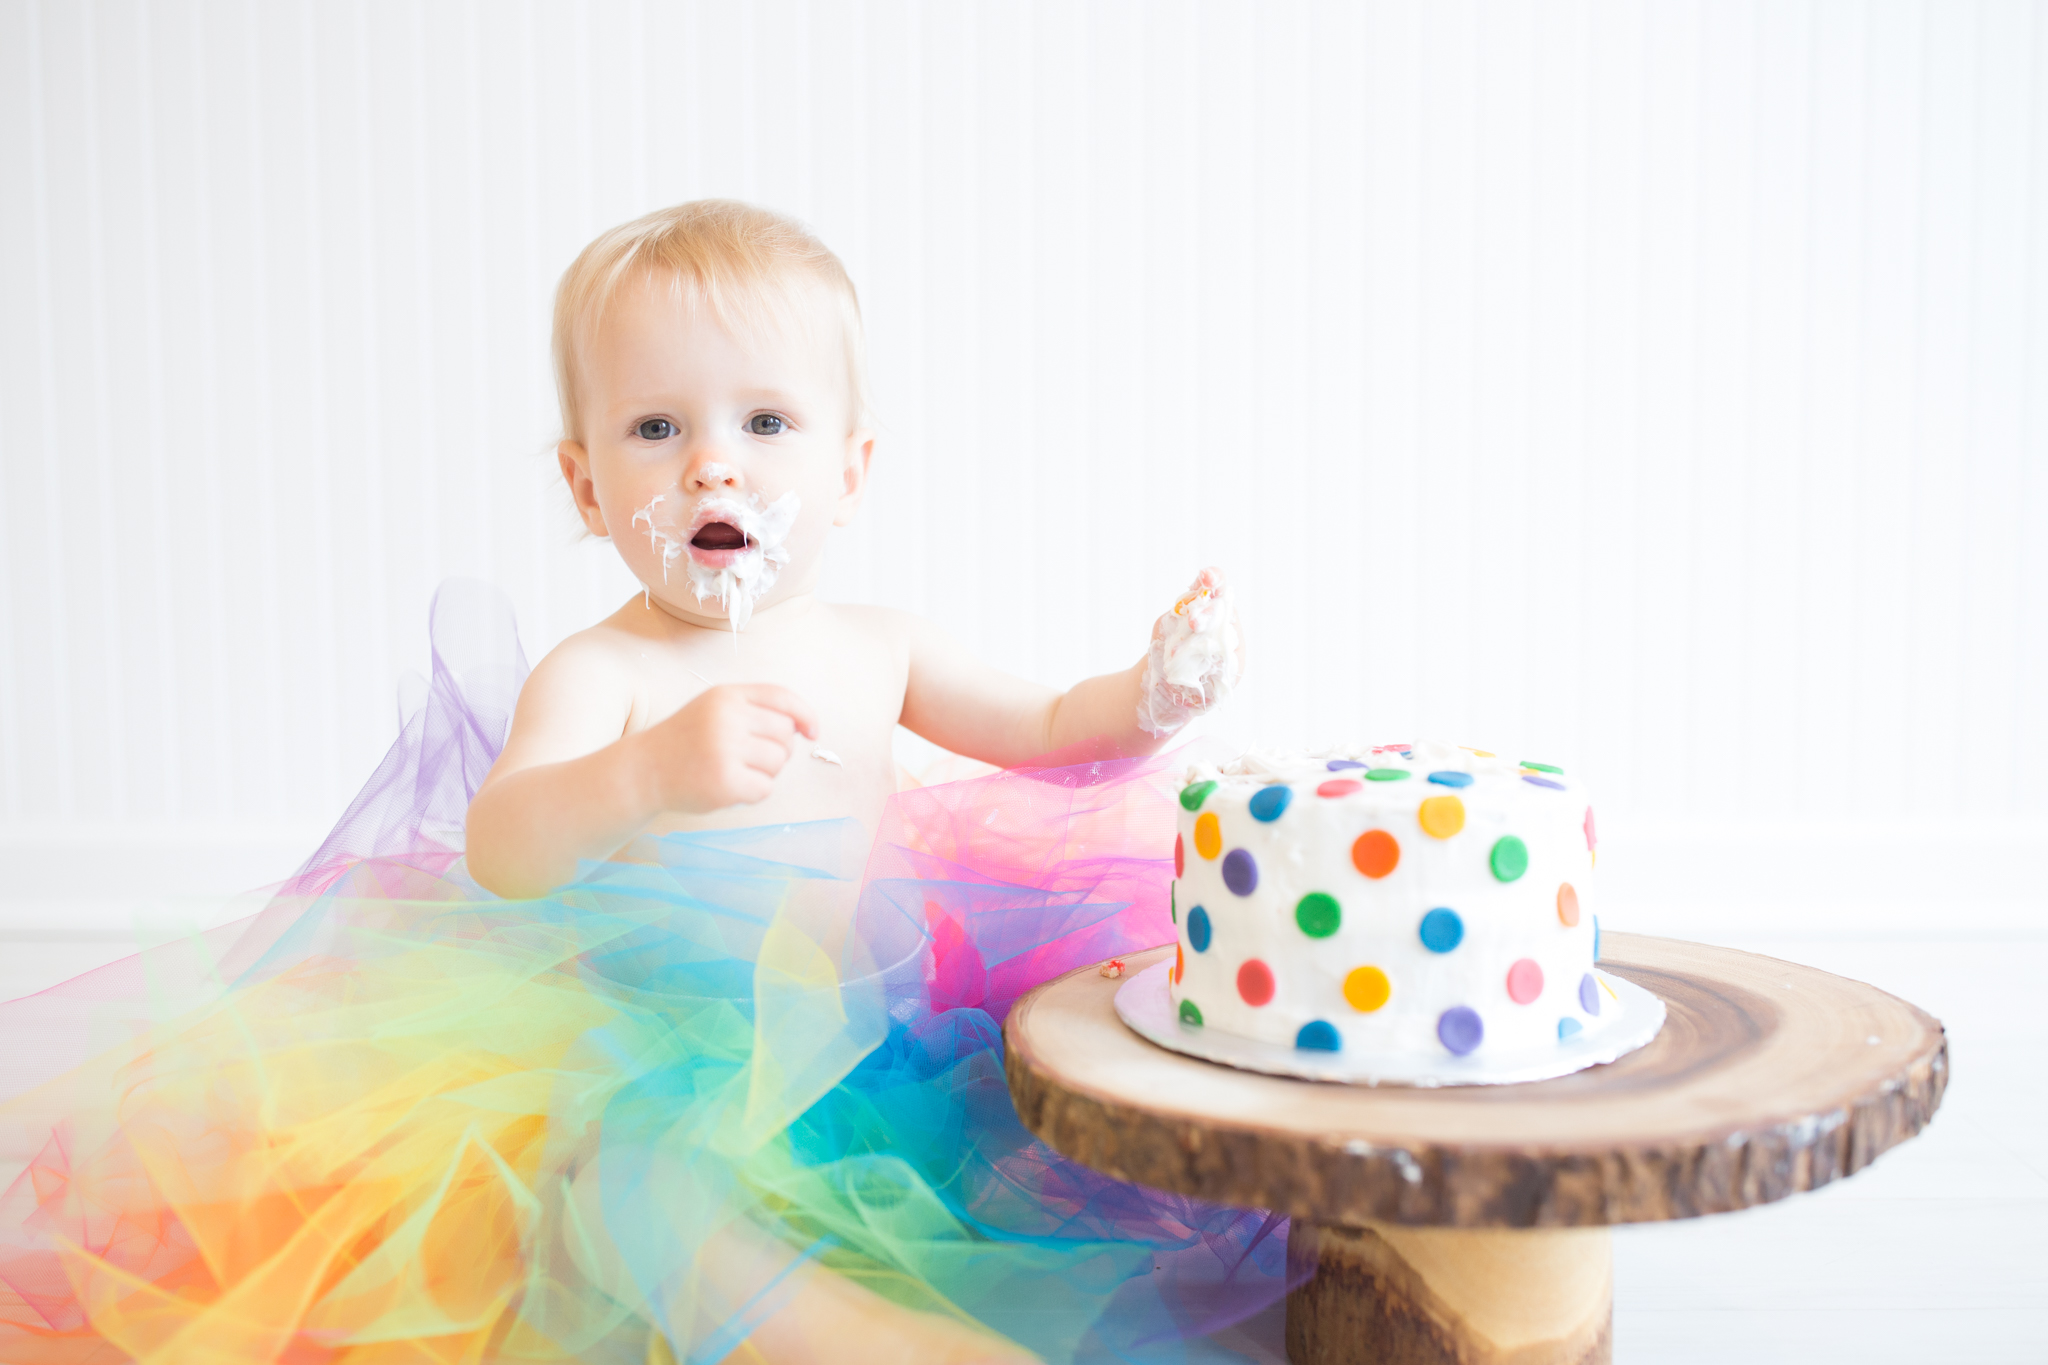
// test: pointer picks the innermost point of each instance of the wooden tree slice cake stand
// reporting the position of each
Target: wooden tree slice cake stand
(1469, 1224)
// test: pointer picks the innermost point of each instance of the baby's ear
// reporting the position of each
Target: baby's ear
(860, 449)
(575, 462)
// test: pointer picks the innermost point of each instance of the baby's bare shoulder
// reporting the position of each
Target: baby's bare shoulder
(600, 670)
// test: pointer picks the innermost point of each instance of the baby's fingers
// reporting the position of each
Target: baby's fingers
(784, 702)
(765, 756)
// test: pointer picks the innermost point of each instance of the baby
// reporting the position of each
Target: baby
(709, 363)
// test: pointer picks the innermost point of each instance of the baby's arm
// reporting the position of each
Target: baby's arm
(960, 703)
(572, 784)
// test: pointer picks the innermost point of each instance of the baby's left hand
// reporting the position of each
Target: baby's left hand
(1196, 658)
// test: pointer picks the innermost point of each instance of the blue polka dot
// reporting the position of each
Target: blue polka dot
(1442, 930)
(1240, 873)
(1459, 1029)
(1270, 803)
(1198, 929)
(1338, 765)
(1589, 994)
(1567, 1029)
(1319, 1035)
(1450, 778)
(1543, 782)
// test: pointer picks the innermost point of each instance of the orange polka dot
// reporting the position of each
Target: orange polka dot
(1375, 853)
(1208, 834)
(1366, 989)
(1567, 904)
(1442, 816)
(1180, 964)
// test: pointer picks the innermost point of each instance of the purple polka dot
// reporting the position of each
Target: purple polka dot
(1589, 994)
(1338, 765)
(1240, 873)
(1543, 782)
(1459, 1029)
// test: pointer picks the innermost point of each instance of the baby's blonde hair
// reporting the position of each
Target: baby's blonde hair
(748, 265)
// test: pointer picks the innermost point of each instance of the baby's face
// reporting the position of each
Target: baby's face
(695, 437)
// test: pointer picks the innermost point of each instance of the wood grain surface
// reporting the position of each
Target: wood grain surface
(1768, 1078)
(1452, 1296)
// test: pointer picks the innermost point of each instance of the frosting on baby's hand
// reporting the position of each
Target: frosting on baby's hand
(1194, 660)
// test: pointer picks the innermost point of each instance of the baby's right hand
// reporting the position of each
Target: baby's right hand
(726, 746)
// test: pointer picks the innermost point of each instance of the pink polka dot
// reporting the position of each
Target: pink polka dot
(1525, 981)
(1255, 982)
(1339, 786)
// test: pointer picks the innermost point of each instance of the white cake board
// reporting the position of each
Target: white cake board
(1143, 1003)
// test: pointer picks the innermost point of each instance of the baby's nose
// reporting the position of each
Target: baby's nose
(711, 474)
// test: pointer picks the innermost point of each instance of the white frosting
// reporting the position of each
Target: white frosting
(1191, 665)
(738, 585)
(1306, 850)
(827, 756)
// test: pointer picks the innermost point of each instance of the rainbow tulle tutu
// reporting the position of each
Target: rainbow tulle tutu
(393, 1118)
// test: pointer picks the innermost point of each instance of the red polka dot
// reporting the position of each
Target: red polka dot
(1255, 982)
(1525, 981)
(1339, 786)
(1180, 857)
(1376, 853)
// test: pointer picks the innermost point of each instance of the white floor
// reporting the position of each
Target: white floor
(1939, 1252)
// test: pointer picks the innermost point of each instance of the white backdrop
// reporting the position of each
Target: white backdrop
(1656, 389)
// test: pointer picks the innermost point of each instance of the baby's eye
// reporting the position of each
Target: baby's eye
(655, 429)
(765, 424)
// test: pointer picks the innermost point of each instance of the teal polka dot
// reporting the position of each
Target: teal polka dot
(1442, 930)
(1270, 803)
(1319, 1035)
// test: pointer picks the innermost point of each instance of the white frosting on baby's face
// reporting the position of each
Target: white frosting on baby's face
(737, 581)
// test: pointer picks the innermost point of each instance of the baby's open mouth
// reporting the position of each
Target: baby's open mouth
(719, 535)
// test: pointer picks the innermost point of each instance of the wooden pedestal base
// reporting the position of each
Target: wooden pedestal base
(1385, 1295)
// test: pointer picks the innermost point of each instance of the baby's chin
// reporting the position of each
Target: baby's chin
(712, 612)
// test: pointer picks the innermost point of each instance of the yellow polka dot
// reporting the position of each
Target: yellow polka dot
(1442, 816)
(1208, 834)
(1483, 753)
(1367, 989)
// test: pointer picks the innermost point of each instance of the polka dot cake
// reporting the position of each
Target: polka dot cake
(1403, 899)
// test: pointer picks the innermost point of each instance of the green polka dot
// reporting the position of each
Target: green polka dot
(1542, 767)
(1318, 914)
(1173, 900)
(1190, 1014)
(1510, 857)
(1386, 774)
(1193, 795)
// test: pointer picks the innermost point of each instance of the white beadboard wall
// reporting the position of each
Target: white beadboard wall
(1656, 388)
